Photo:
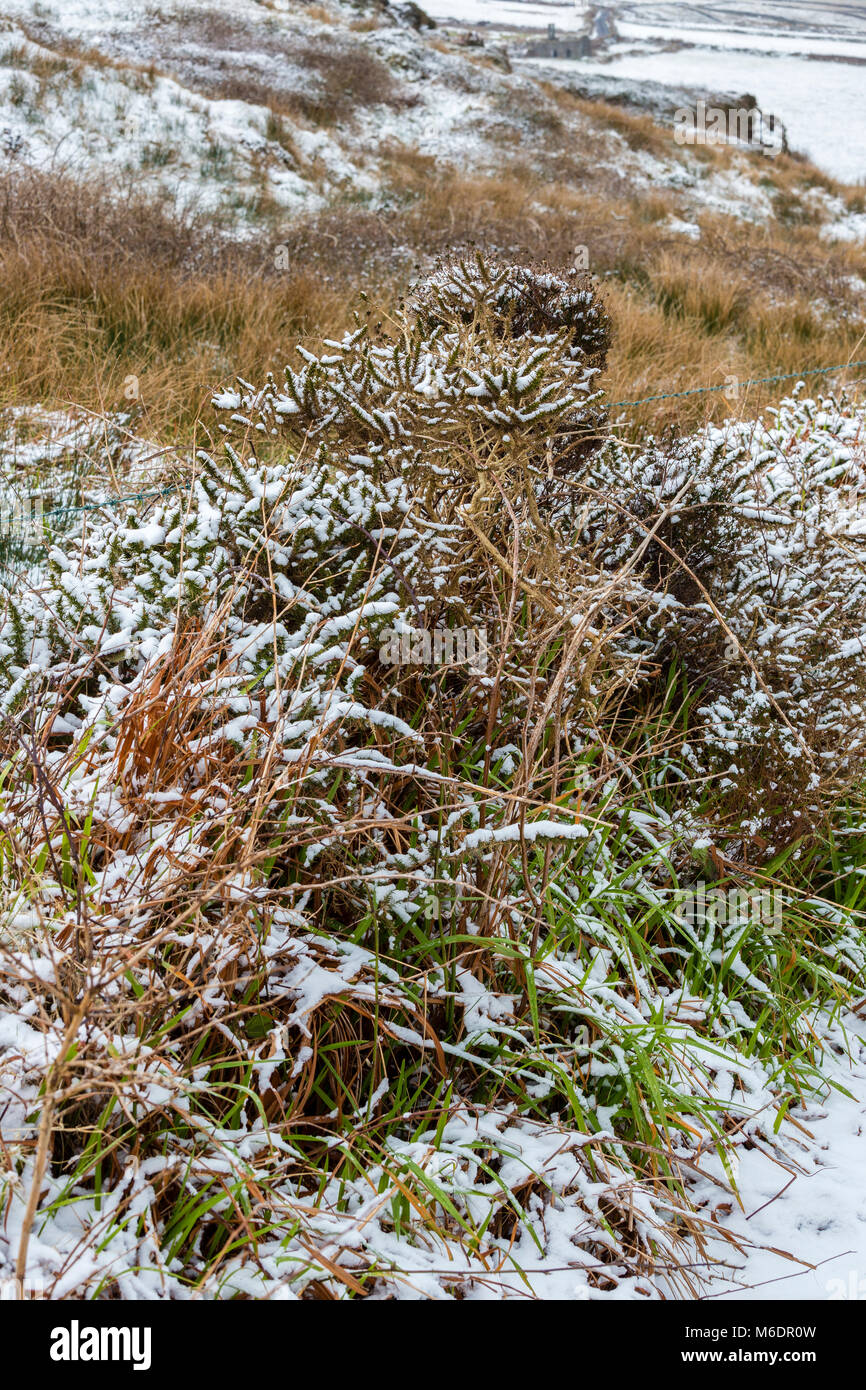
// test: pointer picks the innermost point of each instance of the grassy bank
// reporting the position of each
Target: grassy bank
(111, 300)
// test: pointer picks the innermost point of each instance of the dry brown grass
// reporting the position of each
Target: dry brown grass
(745, 300)
(98, 287)
(96, 291)
(345, 81)
(639, 131)
(41, 65)
(326, 81)
(339, 77)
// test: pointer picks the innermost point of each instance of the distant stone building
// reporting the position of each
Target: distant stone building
(560, 46)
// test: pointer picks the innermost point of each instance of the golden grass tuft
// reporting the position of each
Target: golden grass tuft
(100, 285)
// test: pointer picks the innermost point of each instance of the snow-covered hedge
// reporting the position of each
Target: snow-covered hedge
(407, 480)
(338, 926)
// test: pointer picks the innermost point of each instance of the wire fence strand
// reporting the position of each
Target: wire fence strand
(613, 405)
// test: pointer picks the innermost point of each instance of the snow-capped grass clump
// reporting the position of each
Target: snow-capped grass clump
(334, 963)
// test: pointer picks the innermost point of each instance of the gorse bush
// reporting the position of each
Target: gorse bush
(755, 584)
(495, 363)
(338, 975)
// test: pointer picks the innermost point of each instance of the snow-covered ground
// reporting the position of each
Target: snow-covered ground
(565, 14)
(183, 108)
(803, 1219)
(820, 103)
(804, 64)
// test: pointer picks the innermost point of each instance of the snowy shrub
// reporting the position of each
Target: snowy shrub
(755, 585)
(397, 945)
(491, 379)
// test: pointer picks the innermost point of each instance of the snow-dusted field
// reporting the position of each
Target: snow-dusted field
(805, 64)
(150, 103)
(821, 103)
(565, 14)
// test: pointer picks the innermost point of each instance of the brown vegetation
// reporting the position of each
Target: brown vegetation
(99, 285)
